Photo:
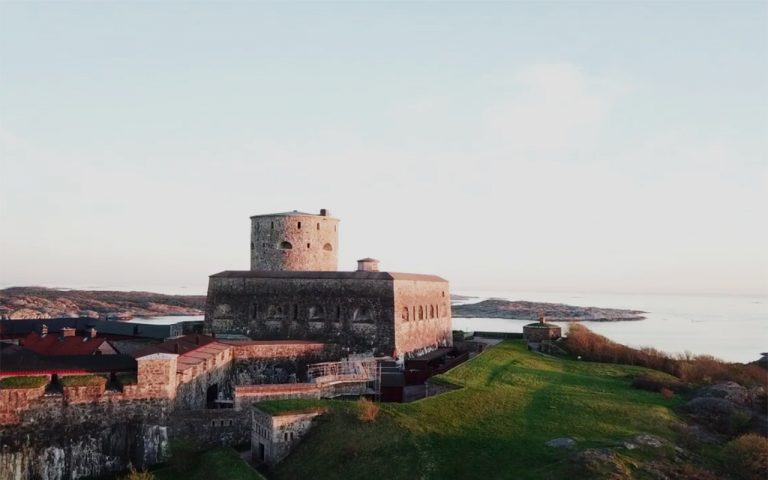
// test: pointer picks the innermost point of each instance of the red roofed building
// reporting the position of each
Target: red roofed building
(67, 342)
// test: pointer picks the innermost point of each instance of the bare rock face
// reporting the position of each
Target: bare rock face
(27, 314)
(562, 442)
(37, 303)
(725, 408)
(731, 391)
(554, 312)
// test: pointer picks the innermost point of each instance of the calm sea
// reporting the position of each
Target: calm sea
(733, 328)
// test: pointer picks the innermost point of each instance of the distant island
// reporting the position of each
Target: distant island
(555, 312)
(18, 303)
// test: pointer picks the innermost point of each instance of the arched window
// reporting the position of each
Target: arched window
(286, 245)
(316, 313)
(405, 314)
(421, 312)
(299, 225)
(254, 311)
(362, 314)
(328, 247)
(431, 311)
(275, 311)
(222, 311)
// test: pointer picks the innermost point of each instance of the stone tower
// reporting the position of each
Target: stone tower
(294, 241)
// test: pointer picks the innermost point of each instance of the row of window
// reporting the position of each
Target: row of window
(422, 312)
(298, 226)
(314, 313)
(222, 423)
(285, 245)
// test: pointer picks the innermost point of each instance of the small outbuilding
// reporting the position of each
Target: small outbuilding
(540, 331)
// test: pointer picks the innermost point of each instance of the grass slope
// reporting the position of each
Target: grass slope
(512, 402)
(221, 463)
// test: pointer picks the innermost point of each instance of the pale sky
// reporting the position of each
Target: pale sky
(574, 146)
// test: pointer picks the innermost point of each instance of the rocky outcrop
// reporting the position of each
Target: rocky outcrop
(554, 312)
(36, 302)
(729, 408)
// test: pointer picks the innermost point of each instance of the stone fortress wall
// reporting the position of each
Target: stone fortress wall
(88, 430)
(294, 241)
(348, 312)
(422, 316)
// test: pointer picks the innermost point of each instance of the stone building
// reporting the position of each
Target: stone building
(293, 291)
(275, 435)
(542, 330)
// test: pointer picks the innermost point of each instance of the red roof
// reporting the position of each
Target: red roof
(52, 344)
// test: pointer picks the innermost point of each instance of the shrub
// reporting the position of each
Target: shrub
(698, 369)
(23, 382)
(651, 384)
(127, 378)
(82, 380)
(138, 475)
(367, 411)
(748, 456)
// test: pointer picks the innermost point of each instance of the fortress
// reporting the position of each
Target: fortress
(78, 403)
(294, 291)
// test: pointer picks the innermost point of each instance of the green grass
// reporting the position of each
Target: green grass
(82, 380)
(127, 378)
(511, 403)
(223, 463)
(23, 382)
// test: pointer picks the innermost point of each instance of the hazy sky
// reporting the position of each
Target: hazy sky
(576, 146)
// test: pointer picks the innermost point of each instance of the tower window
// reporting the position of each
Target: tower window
(272, 226)
(318, 225)
(252, 246)
(299, 225)
(405, 314)
(286, 245)
(307, 245)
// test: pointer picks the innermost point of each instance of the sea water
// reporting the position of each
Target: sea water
(733, 328)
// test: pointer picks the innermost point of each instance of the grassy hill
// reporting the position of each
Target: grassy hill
(496, 426)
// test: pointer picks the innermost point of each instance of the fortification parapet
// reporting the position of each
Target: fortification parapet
(294, 241)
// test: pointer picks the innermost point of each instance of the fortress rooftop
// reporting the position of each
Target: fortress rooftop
(318, 275)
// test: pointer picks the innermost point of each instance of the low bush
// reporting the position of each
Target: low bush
(134, 474)
(653, 384)
(747, 456)
(23, 382)
(696, 369)
(367, 411)
(127, 378)
(82, 380)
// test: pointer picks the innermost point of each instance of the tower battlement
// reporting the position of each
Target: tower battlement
(294, 241)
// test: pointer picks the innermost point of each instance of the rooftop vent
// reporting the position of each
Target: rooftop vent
(367, 265)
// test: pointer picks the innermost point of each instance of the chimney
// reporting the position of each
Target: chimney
(67, 332)
(44, 330)
(324, 212)
(367, 265)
